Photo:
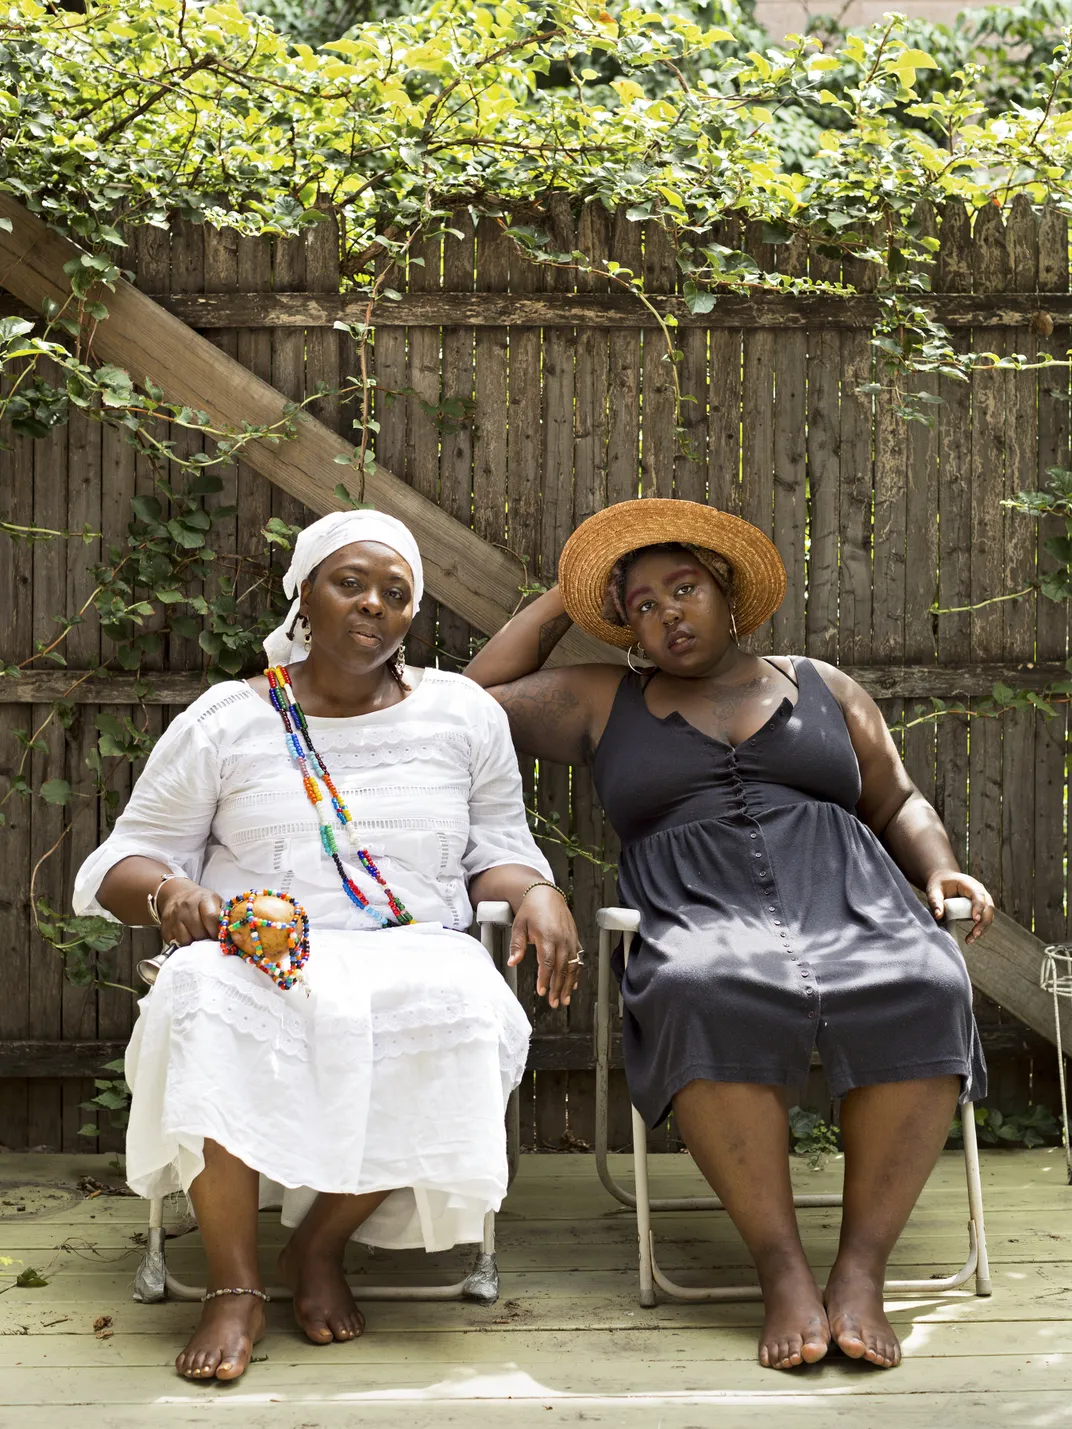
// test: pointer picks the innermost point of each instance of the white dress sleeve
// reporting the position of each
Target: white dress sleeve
(168, 816)
(498, 829)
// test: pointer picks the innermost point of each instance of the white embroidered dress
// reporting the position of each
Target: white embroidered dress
(394, 1072)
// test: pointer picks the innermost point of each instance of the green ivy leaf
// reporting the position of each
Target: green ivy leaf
(56, 791)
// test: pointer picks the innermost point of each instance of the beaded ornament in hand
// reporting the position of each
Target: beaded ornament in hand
(271, 931)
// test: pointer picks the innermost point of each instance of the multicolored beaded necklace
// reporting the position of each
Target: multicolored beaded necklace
(311, 768)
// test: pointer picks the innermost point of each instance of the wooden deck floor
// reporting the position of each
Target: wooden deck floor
(567, 1343)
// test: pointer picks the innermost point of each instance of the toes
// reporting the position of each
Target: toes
(348, 1324)
(764, 1356)
(852, 1343)
(812, 1351)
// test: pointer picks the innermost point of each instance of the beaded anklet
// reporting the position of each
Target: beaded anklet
(236, 1290)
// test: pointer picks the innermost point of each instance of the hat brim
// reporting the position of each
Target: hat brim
(596, 546)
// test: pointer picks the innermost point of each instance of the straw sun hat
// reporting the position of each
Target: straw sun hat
(591, 553)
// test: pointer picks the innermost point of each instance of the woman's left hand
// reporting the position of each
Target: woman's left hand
(544, 920)
(943, 885)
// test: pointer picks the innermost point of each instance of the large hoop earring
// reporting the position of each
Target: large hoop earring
(733, 628)
(637, 670)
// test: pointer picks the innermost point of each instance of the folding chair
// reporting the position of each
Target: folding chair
(153, 1281)
(627, 922)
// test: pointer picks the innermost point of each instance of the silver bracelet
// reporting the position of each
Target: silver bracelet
(151, 898)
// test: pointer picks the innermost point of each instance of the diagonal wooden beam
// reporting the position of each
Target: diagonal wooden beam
(475, 579)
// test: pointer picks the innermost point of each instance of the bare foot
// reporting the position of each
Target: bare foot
(857, 1320)
(795, 1328)
(221, 1345)
(323, 1305)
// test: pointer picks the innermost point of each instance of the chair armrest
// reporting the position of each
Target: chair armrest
(957, 910)
(618, 920)
(627, 920)
(499, 915)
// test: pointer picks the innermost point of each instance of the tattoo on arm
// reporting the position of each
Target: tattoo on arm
(551, 632)
(546, 717)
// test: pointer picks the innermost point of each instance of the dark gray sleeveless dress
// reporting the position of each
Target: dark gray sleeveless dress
(772, 920)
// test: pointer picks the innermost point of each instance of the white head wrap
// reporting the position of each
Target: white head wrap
(322, 539)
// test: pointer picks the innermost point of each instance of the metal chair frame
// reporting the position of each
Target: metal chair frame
(627, 922)
(154, 1282)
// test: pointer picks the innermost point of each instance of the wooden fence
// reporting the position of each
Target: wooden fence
(567, 404)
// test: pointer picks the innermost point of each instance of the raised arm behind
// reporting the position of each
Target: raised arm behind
(554, 714)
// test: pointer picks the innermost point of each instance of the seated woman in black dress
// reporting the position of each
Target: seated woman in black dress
(769, 832)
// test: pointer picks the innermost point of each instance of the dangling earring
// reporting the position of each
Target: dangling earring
(733, 628)
(400, 663)
(629, 658)
(307, 632)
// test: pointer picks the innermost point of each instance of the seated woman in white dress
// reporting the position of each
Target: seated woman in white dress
(372, 1098)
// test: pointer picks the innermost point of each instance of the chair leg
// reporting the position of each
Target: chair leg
(603, 1072)
(150, 1279)
(983, 1284)
(643, 1210)
(482, 1282)
(513, 1106)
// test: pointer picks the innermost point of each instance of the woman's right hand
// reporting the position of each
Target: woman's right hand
(188, 912)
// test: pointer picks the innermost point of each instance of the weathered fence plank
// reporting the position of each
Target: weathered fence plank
(992, 275)
(658, 374)
(1054, 427)
(1019, 539)
(954, 272)
(757, 431)
(724, 401)
(854, 507)
(456, 442)
(921, 555)
(790, 512)
(623, 439)
(614, 309)
(823, 460)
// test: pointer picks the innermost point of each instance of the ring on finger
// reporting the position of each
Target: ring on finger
(578, 961)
